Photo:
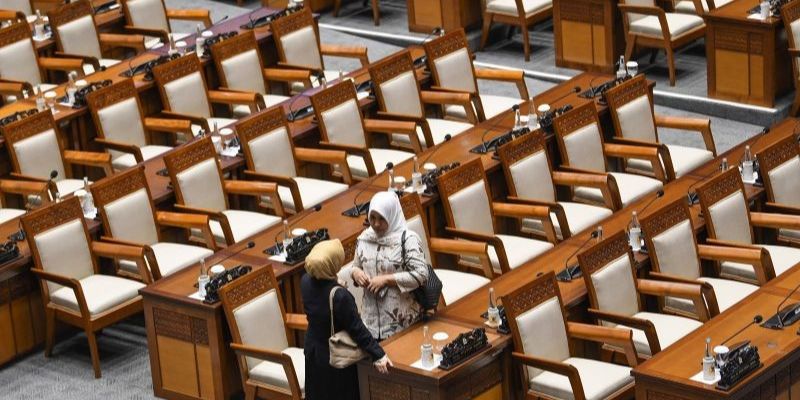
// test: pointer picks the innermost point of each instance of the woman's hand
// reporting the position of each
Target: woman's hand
(383, 364)
(360, 277)
(379, 282)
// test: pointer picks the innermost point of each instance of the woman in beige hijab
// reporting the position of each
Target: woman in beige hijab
(323, 381)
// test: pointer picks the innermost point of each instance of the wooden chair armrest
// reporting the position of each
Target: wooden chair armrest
(287, 75)
(234, 97)
(86, 59)
(62, 64)
(693, 292)
(194, 119)
(527, 209)
(555, 367)
(257, 189)
(708, 290)
(492, 240)
(272, 356)
(168, 125)
(389, 127)
(604, 182)
(348, 148)
(400, 117)
(782, 208)
(23, 177)
(9, 88)
(11, 15)
(554, 207)
(757, 257)
(135, 42)
(338, 50)
(602, 334)
(122, 147)
(188, 221)
(776, 221)
(191, 14)
(515, 76)
(22, 188)
(464, 247)
(650, 154)
(90, 159)
(324, 156)
(794, 52)
(161, 34)
(297, 322)
(636, 323)
(126, 252)
(71, 283)
(277, 180)
(451, 98)
(212, 215)
(700, 125)
(649, 10)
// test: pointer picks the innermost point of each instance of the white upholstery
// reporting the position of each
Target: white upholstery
(79, 37)
(439, 129)
(273, 374)
(677, 24)
(730, 218)
(153, 42)
(728, 293)
(64, 250)
(543, 324)
(88, 69)
(343, 124)
(187, 95)
(7, 214)
(102, 293)
(39, 154)
(783, 259)
(471, 209)
(18, 62)
(243, 72)
(456, 284)
(130, 218)
(634, 16)
(579, 217)
(455, 71)
(148, 14)
(615, 288)
(785, 183)
(401, 95)
(221, 122)
(67, 186)
(127, 160)
(509, 7)
(272, 153)
(301, 48)
(201, 186)
(270, 100)
(585, 149)
(631, 188)
(636, 120)
(519, 250)
(795, 29)
(122, 122)
(687, 6)
(45, 87)
(256, 317)
(684, 160)
(330, 76)
(532, 179)
(243, 224)
(492, 106)
(17, 5)
(380, 157)
(171, 257)
(599, 380)
(669, 329)
(312, 192)
(676, 251)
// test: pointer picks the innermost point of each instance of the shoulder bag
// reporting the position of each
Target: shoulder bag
(344, 351)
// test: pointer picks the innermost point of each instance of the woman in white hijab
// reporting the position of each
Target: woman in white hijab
(388, 304)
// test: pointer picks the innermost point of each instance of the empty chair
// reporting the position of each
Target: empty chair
(343, 127)
(614, 297)
(73, 289)
(36, 153)
(32, 193)
(698, 7)
(152, 19)
(730, 221)
(542, 337)
(530, 180)
(123, 129)
(200, 188)
(471, 215)
(675, 255)
(580, 141)
(399, 97)
(271, 365)
(272, 157)
(517, 13)
(126, 208)
(450, 61)
(780, 170)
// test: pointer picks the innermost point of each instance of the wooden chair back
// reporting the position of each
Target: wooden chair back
(149, 14)
(668, 232)
(121, 92)
(294, 40)
(20, 71)
(36, 160)
(245, 72)
(631, 106)
(472, 210)
(725, 209)
(527, 167)
(608, 272)
(396, 85)
(584, 150)
(185, 96)
(790, 13)
(779, 164)
(191, 156)
(70, 29)
(140, 226)
(329, 106)
(267, 143)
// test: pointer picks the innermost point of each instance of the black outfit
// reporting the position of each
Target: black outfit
(324, 382)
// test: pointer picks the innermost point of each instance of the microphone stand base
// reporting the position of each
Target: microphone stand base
(568, 274)
(357, 211)
(783, 318)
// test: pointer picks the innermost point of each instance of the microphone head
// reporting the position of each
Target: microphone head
(53, 174)
(448, 137)
(660, 193)
(758, 318)
(576, 89)
(251, 244)
(389, 165)
(515, 107)
(317, 207)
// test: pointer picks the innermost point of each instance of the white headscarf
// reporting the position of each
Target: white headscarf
(387, 204)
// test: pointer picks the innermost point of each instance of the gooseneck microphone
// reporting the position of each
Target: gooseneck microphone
(357, 208)
(52, 188)
(659, 194)
(571, 272)
(294, 115)
(756, 320)
(574, 90)
(691, 196)
(447, 138)
(786, 316)
(313, 210)
(249, 245)
(491, 127)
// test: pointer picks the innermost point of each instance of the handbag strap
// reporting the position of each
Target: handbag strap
(403, 256)
(330, 302)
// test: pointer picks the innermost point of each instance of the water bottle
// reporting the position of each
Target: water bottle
(426, 350)
(635, 233)
(747, 165)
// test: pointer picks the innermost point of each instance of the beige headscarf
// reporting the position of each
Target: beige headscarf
(325, 260)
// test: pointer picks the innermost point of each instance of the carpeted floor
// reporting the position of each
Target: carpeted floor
(124, 357)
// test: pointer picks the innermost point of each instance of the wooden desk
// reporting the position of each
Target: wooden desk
(748, 60)
(588, 34)
(425, 15)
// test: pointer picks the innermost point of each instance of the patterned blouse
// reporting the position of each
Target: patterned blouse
(392, 309)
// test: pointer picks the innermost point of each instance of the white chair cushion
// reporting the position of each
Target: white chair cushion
(257, 317)
(728, 293)
(201, 186)
(599, 380)
(171, 257)
(67, 186)
(7, 214)
(439, 129)
(152, 42)
(148, 14)
(122, 122)
(492, 106)
(64, 250)
(79, 37)
(380, 157)
(676, 251)
(343, 124)
(543, 323)
(509, 7)
(187, 95)
(519, 250)
(273, 374)
(302, 48)
(631, 188)
(684, 160)
(39, 154)
(471, 209)
(126, 161)
(615, 288)
(783, 259)
(636, 120)
(687, 6)
(312, 192)
(18, 62)
(88, 69)
(243, 224)
(678, 24)
(272, 153)
(270, 100)
(584, 148)
(455, 71)
(243, 72)
(221, 123)
(456, 284)
(730, 219)
(579, 217)
(102, 293)
(401, 95)
(130, 218)
(785, 183)
(532, 178)
(669, 329)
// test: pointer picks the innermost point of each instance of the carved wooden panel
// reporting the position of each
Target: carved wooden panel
(586, 11)
(20, 286)
(189, 155)
(349, 244)
(777, 153)
(411, 206)
(180, 326)
(30, 126)
(665, 218)
(230, 47)
(261, 124)
(175, 69)
(384, 389)
(719, 187)
(121, 184)
(790, 12)
(69, 12)
(450, 42)
(658, 395)
(110, 95)
(390, 67)
(333, 96)
(292, 22)
(461, 177)
(601, 254)
(14, 33)
(627, 91)
(575, 119)
(485, 378)
(730, 39)
(522, 148)
(51, 216)
(5, 296)
(248, 287)
(531, 295)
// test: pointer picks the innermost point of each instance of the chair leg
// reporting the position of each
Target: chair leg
(94, 352)
(376, 13)
(337, 4)
(629, 47)
(487, 24)
(50, 331)
(249, 392)
(796, 104)
(671, 65)
(526, 42)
